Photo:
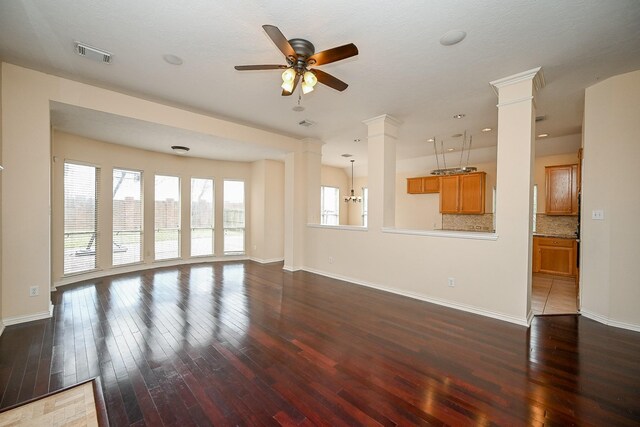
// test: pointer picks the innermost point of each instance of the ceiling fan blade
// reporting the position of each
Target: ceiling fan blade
(280, 41)
(295, 85)
(259, 67)
(329, 80)
(333, 55)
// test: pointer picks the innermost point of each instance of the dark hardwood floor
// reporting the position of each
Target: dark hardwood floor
(241, 343)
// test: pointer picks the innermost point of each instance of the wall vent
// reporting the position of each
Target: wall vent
(306, 123)
(93, 53)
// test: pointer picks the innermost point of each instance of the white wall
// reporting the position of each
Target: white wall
(610, 271)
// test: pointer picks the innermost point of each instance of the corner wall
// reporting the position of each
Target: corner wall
(610, 271)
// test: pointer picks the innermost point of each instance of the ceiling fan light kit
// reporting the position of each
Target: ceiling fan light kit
(300, 56)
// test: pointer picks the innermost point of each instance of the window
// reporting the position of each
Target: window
(233, 217)
(201, 217)
(167, 217)
(365, 206)
(329, 205)
(80, 217)
(127, 216)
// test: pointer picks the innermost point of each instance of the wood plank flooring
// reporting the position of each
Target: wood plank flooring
(239, 343)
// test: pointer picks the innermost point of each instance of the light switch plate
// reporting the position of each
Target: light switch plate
(597, 214)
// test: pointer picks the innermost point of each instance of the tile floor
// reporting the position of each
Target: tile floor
(554, 295)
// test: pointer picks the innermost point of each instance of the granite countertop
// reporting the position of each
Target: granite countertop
(557, 236)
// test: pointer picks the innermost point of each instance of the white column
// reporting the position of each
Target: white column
(301, 200)
(516, 157)
(382, 132)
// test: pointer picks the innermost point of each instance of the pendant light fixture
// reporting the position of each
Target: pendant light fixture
(352, 198)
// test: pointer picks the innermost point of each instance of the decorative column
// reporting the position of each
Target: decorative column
(382, 132)
(301, 199)
(516, 158)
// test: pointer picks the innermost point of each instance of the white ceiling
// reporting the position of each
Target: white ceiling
(401, 70)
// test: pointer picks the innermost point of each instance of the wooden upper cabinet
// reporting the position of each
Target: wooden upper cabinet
(449, 194)
(562, 190)
(463, 194)
(423, 185)
(472, 193)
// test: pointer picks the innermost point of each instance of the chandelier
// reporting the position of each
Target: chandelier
(352, 198)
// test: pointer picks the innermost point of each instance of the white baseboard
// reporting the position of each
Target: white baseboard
(69, 280)
(530, 317)
(610, 322)
(266, 261)
(458, 306)
(292, 269)
(8, 321)
(1, 327)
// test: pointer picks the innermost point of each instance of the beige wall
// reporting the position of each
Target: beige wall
(610, 271)
(26, 153)
(337, 177)
(68, 147)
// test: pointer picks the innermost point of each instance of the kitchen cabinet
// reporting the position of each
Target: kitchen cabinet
(562, 190)
(554, 255)
(423, 185)
(463, 194)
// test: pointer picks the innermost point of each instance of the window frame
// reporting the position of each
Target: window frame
(142, 211)
(323, 215)
(156, 229)
(213, 217)
(244, 227)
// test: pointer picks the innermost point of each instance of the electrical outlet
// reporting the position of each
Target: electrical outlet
(34, 291)
(330, 260)
(597, 214)
(452, 282)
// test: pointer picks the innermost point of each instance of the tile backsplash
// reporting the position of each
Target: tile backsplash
(556, 224)
(467, 222)
(545, 224)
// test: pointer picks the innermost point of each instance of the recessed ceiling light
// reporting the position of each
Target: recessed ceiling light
(459, 116)
(172, 59)
(543, 135)
(452, 37)
(356, 140)
(431, 140)
(347, 155)
(487, 130)
(456, 135)
(180, 149)
(449, 149)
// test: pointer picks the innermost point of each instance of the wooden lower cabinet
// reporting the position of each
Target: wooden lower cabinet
(555, 256)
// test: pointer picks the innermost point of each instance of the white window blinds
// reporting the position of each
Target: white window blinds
(80, 217)
(201, 217)
(127, 216)
(167, 217)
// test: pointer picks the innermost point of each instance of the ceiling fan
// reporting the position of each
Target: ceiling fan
(300, 55)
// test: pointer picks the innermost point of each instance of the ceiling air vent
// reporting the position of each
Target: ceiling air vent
(306, 123)
(93, 53)
(541, 118)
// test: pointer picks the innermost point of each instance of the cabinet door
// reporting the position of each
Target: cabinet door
(414, 185)
(431, 184)
(562, 190)
(472, 193)
(555, 256)
(449, 194)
